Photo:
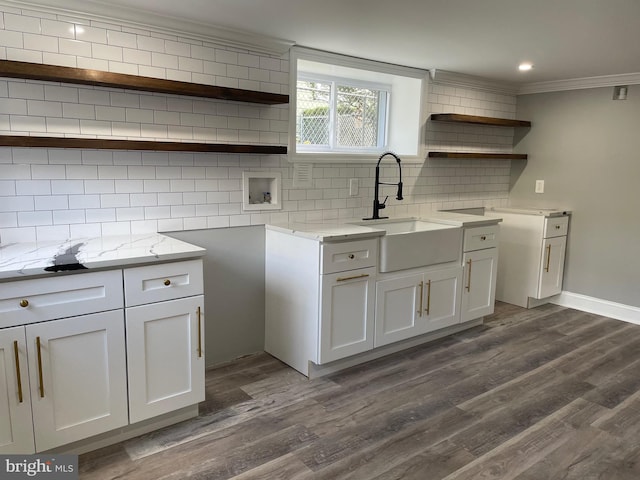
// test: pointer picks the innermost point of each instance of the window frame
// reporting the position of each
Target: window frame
(335, 81)
(410, 146)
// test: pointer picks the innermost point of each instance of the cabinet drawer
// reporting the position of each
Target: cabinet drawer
(39, 299)
(477, 238)
(339, 257)
(165, 281)
(555, 226)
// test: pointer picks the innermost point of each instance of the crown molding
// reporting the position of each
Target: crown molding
(580, 83)
(454, 79)
(91, 10)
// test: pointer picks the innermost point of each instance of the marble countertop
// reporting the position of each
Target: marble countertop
(347, 230)
(21, 260)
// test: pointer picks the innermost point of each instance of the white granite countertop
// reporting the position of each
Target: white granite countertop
(21, 260)
(347, 230)
(327, 232)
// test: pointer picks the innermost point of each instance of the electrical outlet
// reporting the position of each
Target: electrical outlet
(539, 186)
(353, 187)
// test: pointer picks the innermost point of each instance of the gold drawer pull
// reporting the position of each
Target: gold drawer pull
(40, 381)
(428, 297)
(24, 303)
(421, 292)
(167, 282)
(546, 269)
(199, 332)
(17, 355)
(468, 287)
(344, 279)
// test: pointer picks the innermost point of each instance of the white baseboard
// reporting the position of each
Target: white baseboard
(598, 306)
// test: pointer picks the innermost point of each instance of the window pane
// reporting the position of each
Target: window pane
(313, 103)
(357, 114)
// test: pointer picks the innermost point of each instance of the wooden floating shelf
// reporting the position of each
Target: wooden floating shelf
(499, 156)
(54, 73)
(476, 120)
(109, 144)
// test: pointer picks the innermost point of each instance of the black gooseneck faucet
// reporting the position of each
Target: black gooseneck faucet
(377, 205)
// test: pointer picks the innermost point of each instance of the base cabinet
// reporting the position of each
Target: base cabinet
(76, 385)
(77, 377)
(479, 290)
(66, 379)
(551, 269)
(416, 303)
(165, 356)
(346, 313)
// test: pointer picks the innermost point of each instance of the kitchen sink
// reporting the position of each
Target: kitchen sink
(411, 243)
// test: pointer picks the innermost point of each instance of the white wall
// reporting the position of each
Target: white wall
(57, 193)
(585, 146)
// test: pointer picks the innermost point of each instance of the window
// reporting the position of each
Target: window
(348, 107)
(334, 114)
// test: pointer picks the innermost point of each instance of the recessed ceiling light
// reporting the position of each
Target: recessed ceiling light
(523, 67)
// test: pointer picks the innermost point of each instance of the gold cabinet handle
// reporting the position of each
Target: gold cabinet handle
(199, 332)
(19, 377)
(421, 291)
(24, 303)
(344, 279)
(546, 269)
(167, 282)
(428, 297)
(40, 381)
(468, 287)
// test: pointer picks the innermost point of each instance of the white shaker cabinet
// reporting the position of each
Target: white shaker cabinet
(72, 373)
(415, 302)
(78, 377)
(480, 262)
(532, 254)
(165, 337)
(319, 298)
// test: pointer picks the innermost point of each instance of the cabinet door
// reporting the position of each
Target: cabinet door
(479, 289)
(551, 267)
(16, 425)
(398, 308)
(165, 352)
(346, 314)
(442, 292)
(78, 377)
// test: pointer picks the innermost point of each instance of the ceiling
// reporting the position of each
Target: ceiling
(564, 39)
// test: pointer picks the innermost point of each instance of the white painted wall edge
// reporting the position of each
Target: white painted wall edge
(598, 306)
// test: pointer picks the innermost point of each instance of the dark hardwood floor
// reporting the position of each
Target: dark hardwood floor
(543, 394)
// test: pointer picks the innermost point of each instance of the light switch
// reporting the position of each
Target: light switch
(539, 186)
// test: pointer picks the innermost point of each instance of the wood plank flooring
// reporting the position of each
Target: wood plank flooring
(543, 394)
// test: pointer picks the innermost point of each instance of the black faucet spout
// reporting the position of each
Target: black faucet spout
(377, 205)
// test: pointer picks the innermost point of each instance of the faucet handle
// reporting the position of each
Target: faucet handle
(383, 203)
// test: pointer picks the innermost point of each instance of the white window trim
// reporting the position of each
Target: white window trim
(303, 53)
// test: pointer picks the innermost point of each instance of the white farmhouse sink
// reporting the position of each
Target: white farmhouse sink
(414, 243)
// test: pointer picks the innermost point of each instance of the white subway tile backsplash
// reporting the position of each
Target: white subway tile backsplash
(11, 39)
(107, 192)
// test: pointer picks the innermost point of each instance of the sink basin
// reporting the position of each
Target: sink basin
(415, 243)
